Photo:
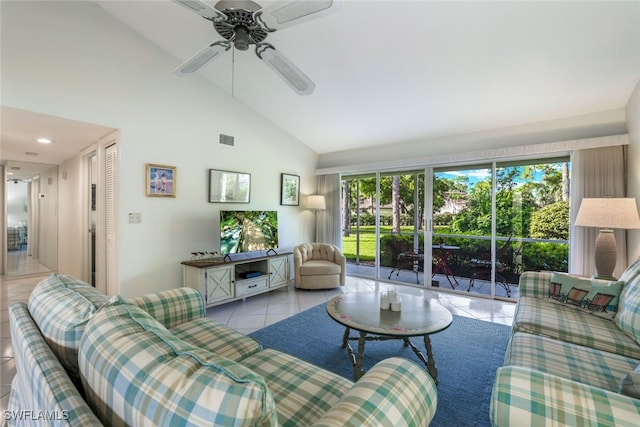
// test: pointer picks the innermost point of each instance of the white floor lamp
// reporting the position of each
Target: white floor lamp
(607, 213)
(316, 202)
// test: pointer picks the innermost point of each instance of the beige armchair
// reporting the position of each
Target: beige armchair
(319, 266)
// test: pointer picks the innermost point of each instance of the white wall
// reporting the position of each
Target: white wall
(633, 169)
(48, 214)
(71, 218)
(72, 59)
(603, 123)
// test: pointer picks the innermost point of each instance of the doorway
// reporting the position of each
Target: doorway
(56, 238)
(31, 218)
(99, 178)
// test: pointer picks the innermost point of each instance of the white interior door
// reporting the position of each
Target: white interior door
(111, 176)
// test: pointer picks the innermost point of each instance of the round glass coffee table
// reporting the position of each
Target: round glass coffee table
(361, 311)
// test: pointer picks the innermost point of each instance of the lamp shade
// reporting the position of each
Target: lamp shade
(608, 213)
(316, 202)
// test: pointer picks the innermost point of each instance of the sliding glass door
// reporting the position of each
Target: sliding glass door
(463, 223)
(359, 213)
(383, 225)
(471, 229)
(532, 207)
(402, 221)
(492, 222)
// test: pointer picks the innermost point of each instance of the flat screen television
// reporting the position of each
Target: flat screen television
(248, 231)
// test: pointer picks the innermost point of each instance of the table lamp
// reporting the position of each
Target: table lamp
(607, 213)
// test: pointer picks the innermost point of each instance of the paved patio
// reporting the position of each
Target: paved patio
(409, 277)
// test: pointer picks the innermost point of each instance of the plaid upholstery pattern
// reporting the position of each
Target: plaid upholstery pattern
(172, 307)
(628, 317)
(303, 392)
(574, 362)
(632, 272)
(217, 338)
(535, 284)
(135, 372)
(61, 306)
(523, 396)
(41, 383)
(565, 364)
(395, 392)
(555, 320)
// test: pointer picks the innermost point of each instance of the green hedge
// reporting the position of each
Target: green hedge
(518, 257)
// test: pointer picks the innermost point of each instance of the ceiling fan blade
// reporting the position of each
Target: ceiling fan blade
(283, 14)
(284, 68)
(202, 9)
(205, 55)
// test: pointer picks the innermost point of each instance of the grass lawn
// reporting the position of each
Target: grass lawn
(367, 241)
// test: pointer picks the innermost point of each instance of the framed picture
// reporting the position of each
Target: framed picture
(229, 187)
(290, 190)
(161, 180)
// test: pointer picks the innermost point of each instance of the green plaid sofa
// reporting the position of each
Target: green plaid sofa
(567, 365)
(85, 359)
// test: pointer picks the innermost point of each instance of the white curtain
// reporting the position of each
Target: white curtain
(34, 218)
(328, 221)
(595, 173)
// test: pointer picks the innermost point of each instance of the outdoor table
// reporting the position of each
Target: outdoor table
(408, 261)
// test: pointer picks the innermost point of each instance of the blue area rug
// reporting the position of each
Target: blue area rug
(467, 355)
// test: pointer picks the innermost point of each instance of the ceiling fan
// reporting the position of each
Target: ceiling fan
(243, 23)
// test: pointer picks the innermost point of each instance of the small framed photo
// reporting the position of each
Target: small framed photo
(229, 187)
(161, 180)
(290, 190)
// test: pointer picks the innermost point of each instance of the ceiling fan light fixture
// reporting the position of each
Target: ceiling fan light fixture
(242, 39)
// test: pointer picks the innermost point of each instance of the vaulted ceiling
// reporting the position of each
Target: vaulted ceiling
(399, 71)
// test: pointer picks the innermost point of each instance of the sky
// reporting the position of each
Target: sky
(477, 175)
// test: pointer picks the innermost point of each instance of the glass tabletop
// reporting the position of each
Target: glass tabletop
(361, 311)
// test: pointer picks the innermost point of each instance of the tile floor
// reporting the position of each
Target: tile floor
(255, 312)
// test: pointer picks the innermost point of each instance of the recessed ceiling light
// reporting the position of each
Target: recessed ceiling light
(44, 141)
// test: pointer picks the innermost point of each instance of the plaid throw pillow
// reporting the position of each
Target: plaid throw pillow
(630, 383)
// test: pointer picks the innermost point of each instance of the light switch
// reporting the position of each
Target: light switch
(135, 218)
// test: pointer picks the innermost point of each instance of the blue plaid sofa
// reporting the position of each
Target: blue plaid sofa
(85, 359)
(569, 361)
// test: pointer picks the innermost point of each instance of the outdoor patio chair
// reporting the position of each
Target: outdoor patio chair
(481, 267)
(405, 257)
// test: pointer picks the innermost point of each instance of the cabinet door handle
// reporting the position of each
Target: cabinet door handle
(252, 286)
